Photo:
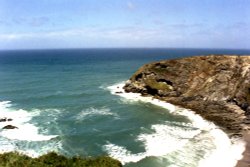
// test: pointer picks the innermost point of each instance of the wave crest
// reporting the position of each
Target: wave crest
(172, 140)
(25, 135)
(91, 112)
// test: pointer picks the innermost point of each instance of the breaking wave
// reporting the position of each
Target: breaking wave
(25, 134)
(92, 112)
(176, 142)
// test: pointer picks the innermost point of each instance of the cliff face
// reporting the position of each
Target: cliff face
(216, 87)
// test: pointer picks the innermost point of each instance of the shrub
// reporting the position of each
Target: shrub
(14, 159)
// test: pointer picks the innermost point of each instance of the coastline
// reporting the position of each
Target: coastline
(228, 149)
(213, 86)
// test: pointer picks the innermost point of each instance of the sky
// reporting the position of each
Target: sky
(41, 24)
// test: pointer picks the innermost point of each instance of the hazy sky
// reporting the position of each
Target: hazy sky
(124, 23)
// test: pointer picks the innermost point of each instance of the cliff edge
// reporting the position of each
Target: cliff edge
(216, 86)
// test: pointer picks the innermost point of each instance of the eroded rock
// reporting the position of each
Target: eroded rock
(216, 87)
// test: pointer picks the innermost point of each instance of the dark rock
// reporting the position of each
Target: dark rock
(232, 101)
(244, 106)
(118, 92)
(10, 127)
(151, 91)
(139, 76)
(5, 119)
(247, 112)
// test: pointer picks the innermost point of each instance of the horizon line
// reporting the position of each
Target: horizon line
(90, 48)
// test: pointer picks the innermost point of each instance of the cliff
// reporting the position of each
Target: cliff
(216, 86)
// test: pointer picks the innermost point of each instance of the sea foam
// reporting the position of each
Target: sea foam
(93, 112)
(25, 132)
(166, 139)
(21, 119)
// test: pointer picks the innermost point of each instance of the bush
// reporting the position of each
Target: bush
(14, 159)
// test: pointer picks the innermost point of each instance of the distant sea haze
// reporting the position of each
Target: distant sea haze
(64, 100)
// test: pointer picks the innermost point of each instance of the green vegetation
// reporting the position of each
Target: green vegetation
(14, 159)
(151, 82)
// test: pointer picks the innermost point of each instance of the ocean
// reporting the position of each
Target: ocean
(65, 100)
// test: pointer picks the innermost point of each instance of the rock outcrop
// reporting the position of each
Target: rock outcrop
(5, 119)
(10, 127)
(216, 86)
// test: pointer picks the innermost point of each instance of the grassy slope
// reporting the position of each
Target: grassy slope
(52, 159)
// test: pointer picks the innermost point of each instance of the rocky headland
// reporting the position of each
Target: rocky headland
(217, 87)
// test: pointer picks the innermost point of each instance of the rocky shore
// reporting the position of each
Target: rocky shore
(217, 87)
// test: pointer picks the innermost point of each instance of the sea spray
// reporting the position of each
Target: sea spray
(225, 153)
(25, 133)
(20, 119)
(164, 139)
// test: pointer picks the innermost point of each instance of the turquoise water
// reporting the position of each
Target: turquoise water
(61, 101)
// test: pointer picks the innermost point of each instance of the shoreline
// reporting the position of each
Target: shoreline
(216, 87)
(233, 147)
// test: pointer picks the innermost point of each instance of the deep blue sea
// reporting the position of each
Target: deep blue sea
(63, 100)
